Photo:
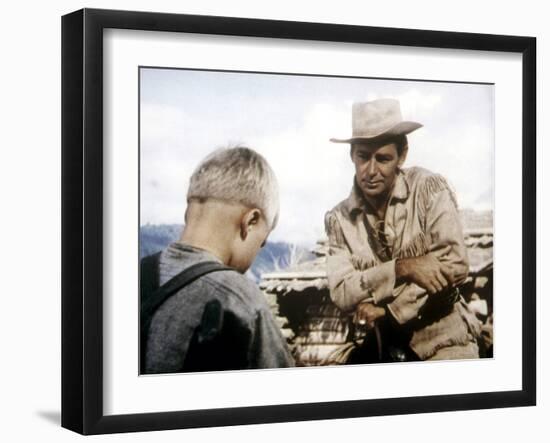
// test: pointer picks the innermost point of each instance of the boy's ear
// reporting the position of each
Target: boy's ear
(249, 219)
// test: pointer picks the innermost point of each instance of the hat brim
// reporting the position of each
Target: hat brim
(401, 128)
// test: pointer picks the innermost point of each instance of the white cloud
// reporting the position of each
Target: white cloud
(314, 174)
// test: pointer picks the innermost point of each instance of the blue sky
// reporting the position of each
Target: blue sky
(290, 119)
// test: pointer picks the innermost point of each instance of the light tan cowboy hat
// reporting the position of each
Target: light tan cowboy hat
(377, 120)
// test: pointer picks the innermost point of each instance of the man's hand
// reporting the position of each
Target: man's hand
(367, 313)
(427, 271)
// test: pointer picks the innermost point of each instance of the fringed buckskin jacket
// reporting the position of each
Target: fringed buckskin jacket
(421, 217)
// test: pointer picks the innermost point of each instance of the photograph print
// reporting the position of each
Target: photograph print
(307, 220)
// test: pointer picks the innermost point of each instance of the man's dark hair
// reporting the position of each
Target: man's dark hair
(402, 143)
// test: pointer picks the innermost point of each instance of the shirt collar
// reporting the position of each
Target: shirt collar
(356, 204)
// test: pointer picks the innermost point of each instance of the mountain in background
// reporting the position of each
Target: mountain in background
(154, 238)
(274, 256)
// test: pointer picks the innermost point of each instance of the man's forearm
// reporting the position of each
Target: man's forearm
(401, 270)
(427, 271)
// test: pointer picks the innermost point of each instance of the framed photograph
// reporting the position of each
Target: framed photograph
(364, 199)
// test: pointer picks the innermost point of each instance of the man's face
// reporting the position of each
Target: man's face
(376, 167)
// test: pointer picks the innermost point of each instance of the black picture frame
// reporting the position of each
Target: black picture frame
(82, 220)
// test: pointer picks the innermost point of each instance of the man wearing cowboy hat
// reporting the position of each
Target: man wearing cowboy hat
(396, 248)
